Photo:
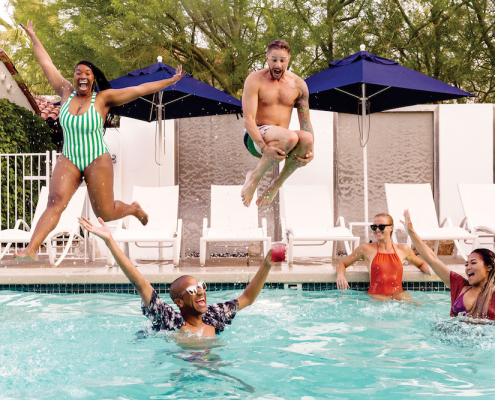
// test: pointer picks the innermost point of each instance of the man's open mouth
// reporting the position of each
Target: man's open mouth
(201, 302)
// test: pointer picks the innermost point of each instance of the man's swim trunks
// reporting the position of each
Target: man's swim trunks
(163, 316)
(252, 147)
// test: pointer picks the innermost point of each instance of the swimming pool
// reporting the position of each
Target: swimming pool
(289, 344)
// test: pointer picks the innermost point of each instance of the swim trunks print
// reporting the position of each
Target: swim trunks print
(252, 147)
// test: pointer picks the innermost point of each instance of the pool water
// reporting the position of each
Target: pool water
(288, 345)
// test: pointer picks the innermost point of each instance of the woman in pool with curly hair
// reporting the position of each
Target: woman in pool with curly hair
(472, 297)
(384, 261)
(85, 153)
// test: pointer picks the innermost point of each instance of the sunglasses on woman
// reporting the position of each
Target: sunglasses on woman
(193, 289)
(381, 227)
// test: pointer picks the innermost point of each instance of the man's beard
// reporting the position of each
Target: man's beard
(281, 74)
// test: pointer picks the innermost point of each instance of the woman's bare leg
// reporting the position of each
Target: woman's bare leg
(65, 180)
(99, 179)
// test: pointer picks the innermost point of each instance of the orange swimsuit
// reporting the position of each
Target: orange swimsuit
(386, 273)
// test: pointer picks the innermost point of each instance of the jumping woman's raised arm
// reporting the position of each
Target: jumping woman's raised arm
(428, 255)
(117, 97)
(61, 85)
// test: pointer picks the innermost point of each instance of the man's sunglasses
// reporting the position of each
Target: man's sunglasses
(193, 289)
(381, 227)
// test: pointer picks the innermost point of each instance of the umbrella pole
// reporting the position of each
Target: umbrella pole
(160, 108)
(365, 161)
(161, 151)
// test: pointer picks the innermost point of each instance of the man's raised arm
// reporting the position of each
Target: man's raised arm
(254, 288)
(140, 283)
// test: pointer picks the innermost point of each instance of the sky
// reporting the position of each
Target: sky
(3, 11)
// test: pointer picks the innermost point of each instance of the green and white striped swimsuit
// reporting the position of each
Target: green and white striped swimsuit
(83, 135)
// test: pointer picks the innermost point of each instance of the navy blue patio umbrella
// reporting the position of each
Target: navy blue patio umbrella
(364, 84)
(189, 97)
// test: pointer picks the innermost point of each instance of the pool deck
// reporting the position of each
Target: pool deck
(218, 270)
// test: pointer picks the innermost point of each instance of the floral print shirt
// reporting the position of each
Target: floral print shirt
(163, 316)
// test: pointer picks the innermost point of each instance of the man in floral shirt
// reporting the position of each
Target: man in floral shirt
(186, 292)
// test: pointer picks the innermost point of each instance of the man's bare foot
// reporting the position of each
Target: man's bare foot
(140, 214)
(248, 189)
(25, 255)
(267, 196)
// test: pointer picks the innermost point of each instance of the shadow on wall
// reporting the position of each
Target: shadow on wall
(211, 152)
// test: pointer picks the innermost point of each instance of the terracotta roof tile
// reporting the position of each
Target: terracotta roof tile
(49, 111)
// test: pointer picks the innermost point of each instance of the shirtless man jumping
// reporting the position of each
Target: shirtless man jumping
(267, 102)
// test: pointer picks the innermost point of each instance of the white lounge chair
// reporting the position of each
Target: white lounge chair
(307, 217)
(418, 199)
(162, 206)
(68, 225)
(231, 221)
(478, 202)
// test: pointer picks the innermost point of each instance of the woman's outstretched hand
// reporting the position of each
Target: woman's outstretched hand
(102, 231)
(178, 74)
(29, 28)
(407, 222)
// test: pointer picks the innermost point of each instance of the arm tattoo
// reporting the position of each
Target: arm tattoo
(302, 104)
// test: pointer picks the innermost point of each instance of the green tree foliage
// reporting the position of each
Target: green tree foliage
(334, 30)
(218, 41)
(20, 132)
(222, 41)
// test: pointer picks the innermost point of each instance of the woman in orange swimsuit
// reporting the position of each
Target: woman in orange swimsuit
(384, 261)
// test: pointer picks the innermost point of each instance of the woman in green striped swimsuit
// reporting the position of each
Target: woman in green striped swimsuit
(85, 154)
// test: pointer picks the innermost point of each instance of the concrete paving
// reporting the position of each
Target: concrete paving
(217, 270)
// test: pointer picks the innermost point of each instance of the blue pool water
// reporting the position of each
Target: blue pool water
(289, 344)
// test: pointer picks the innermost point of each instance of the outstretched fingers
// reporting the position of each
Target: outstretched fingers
(102, 231)
(178, 73)
(407, 221)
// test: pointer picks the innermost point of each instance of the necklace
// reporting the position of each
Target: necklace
(80, 105)
(79, 109)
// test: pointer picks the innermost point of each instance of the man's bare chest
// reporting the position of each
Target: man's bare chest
(285, 95)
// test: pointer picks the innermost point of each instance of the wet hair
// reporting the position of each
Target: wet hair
(480, 307)
(103, 84)
(176, 286)
(100, 77)
(278, 45)
(390, 220)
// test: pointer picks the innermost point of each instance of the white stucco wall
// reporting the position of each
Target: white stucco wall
(465, 153)
(10, 90)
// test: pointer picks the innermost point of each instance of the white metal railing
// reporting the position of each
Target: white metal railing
(22, 176)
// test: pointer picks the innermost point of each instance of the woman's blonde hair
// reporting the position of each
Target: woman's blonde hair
(480, 307)
(388, 216)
